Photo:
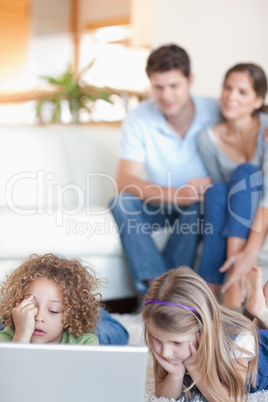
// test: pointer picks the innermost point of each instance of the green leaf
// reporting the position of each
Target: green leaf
(56, 114)
(88, 67)
(38, 108)
(51, 80)
(71, 88)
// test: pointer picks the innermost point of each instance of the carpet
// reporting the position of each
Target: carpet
(133, 323)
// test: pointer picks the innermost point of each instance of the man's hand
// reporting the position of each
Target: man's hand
(193, 191)
(24, 319)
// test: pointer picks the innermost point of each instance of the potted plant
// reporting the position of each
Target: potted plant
(70, 87)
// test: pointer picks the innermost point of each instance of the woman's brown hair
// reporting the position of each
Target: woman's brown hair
(257, 77)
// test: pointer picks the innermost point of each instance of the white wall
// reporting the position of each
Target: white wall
(216, 33)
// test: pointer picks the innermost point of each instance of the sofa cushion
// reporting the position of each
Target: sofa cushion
(77, 233)
(58, 165)
(113, 270)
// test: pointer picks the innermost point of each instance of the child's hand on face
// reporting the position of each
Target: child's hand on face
(24, 319)
(192, 359)
(191, 362)
(176, 369)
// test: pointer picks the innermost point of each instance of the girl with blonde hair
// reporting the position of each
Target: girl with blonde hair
(198, 345)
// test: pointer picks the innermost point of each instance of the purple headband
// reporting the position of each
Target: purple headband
(170, 304)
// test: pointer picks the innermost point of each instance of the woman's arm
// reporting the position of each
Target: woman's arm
(246, 258)
(208, 151)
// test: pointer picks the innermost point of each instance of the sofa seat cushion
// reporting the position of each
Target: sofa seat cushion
(78, 234)
(116, 284)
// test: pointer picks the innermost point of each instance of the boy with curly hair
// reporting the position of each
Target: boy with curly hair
(49, 299)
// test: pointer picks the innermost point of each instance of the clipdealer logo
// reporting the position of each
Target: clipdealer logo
(255, 183)
(50, 198)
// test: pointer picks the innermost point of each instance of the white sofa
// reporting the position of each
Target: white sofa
(55, 185)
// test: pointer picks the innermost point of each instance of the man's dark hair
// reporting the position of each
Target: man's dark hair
(166, 58)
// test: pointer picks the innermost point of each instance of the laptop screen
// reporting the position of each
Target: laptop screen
(72, 373)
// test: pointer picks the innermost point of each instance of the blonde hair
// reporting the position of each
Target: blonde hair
(77, 282)
(218, 326)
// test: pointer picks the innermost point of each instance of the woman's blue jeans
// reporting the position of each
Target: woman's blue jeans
(229, 211)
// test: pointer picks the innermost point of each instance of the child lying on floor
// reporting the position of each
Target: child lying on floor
(49, 299)
(198, 345)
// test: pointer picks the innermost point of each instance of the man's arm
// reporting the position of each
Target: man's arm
(129, 179)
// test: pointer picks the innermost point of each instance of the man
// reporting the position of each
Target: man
(161, 178)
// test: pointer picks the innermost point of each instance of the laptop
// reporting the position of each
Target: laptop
(72, 373)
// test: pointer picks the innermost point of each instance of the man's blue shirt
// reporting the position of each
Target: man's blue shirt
(169, 160)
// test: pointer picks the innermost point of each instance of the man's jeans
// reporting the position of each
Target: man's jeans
(136, 220)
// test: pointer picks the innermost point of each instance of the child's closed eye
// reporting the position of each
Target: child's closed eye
(54, 312)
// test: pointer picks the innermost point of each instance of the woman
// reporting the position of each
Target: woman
(235, 154)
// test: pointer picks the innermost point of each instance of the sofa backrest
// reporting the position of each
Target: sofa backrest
(57, 165)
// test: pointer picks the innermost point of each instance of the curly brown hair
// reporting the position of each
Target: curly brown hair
(78, 284)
